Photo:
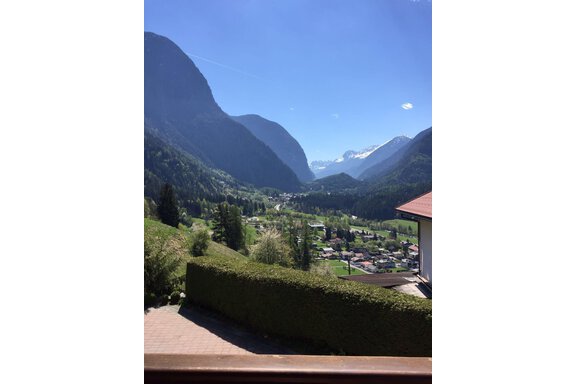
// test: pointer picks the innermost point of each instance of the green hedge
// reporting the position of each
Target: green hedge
(355, 318)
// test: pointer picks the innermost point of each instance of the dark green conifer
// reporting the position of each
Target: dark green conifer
(168, 206)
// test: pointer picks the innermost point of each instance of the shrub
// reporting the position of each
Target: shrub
(160, 265)
(175, 298)
(149, 300)
(200, 241)
(356, 318)
(271, 249)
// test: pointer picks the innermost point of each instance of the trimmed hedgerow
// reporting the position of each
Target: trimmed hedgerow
(355, 318)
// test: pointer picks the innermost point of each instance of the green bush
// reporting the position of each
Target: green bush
(149, 300)
(200, 241)
(161, 262)
(175, 298)
(356, 318)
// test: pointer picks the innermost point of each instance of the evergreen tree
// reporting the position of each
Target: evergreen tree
(306, 245)
(168, 206)
(234, 229)
(220, 222)
(227, 226)
(350, 237)
(328, 233)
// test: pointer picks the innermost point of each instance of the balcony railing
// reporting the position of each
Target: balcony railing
(166, 368)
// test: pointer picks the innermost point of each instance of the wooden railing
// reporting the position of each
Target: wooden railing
(165, 368)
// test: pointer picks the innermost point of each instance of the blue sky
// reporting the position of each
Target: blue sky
(337, 74)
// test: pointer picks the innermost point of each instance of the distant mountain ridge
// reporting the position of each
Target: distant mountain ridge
(180, 109)
(280, 141)
(411, 163)
(349, 160)
(355, 162)
(380, 154)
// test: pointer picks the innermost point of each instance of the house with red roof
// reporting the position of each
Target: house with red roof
(420, 210)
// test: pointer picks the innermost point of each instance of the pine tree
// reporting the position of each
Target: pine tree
(227, 226)
(328, 233)
(220, 222)
(168, 206)
(305, 247)
(234, 229)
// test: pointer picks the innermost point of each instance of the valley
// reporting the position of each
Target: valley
(244, 217)
(242, 178)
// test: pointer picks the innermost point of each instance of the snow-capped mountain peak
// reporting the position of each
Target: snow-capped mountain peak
(367, 151)
(352, 161)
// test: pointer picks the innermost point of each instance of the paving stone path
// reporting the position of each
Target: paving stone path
(179, 330)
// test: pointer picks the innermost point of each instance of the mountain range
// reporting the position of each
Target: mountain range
(179, 108)
(355, 163)
(405, 174)
(412, 162)
(280, 141)
(191, 143)
(350, 159)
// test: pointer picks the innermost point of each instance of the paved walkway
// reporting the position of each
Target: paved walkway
(179, 330)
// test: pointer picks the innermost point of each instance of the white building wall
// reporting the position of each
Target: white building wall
(426, 250)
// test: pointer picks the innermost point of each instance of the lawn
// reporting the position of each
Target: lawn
(386, 234)
(339, 268)
(216, 249)
(406, 223)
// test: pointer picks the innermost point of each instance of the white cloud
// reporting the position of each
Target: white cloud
(292, 108)
(407, 106)
(335, 115)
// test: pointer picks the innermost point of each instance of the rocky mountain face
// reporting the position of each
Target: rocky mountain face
(280, 141)
(410, 164)
(179, 108)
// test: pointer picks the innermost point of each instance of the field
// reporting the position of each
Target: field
(339, 268)
(386, 234)
(405, 223)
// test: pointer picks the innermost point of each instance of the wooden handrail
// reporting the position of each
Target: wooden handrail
(168, 368)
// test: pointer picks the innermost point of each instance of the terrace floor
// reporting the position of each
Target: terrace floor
(406, 282)
(172, 329)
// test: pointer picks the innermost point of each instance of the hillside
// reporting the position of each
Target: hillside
(380, 155)
(180, 109)
(190, 178)
(177, 241)
(280, 141)
(411, 164)
(335, 183)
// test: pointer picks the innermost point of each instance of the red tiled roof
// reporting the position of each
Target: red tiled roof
(421, 206)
